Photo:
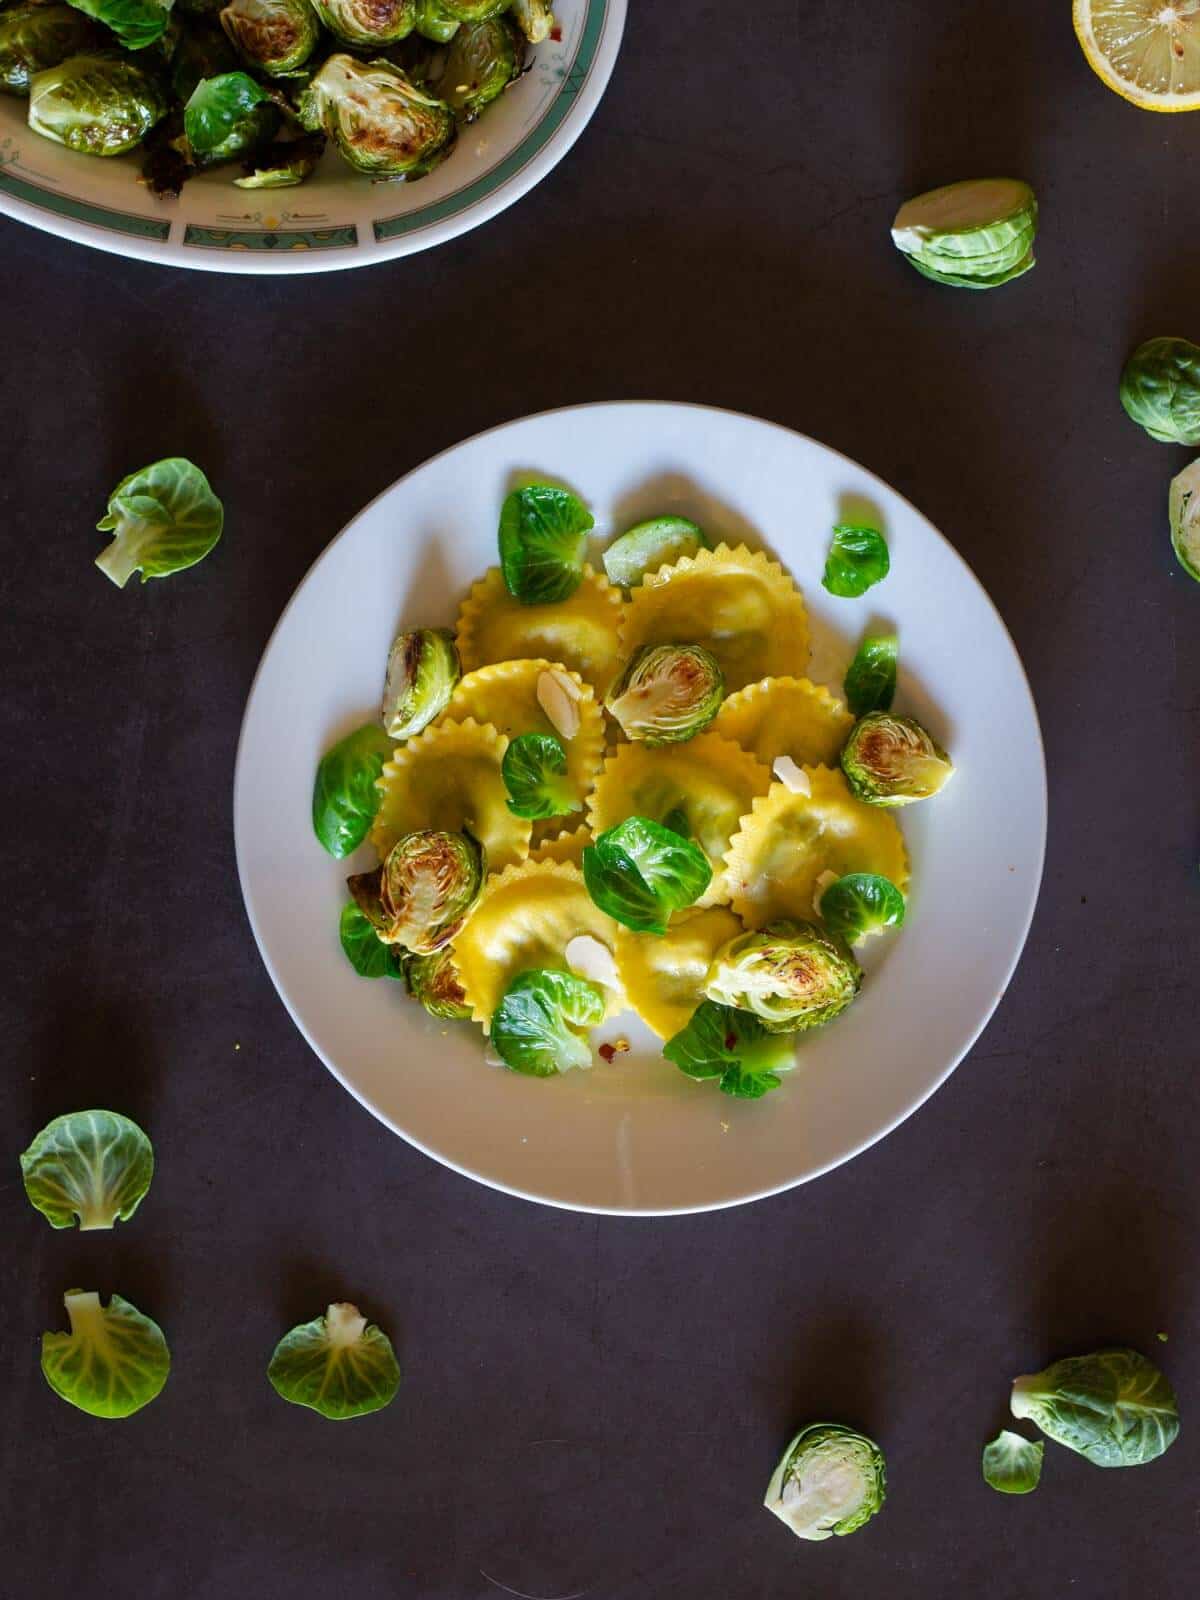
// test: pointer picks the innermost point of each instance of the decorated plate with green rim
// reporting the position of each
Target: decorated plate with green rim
(338, 218)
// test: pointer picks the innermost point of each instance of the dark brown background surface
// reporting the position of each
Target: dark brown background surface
(591, 1406)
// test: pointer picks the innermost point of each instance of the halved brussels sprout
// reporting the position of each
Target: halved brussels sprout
(830, 1480)
(640, 872)
(338, 1365)
(423, 893)
(92, 1165)
(434, 981)
(474, 10)
(345, 798)
(543, 537)
(1160, 390)
(98, 103)
(434, 22)
(861, 903)
(667, 693)
(36, 37)
(368, 22)
(163, 518)
(363, 948)
(791, 975)
(1115, 1408)
(114, 1360)
(1011, 1464)
(733, 1046)
(1185, 519)
(870, 683)
(651, 545)
(276, 35)
(858, 559)
(135, 23)
(228, 116)
(536, 1027)
(892, 761)
(973, 235)
(382, 123)
(534, 770)
(422, 671)
(534, 18)
(283, 164)
(482, 61)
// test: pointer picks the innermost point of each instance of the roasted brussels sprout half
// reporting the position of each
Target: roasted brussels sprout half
(434, 981)
(791, 975)
(435, 23)
(1160, 390)
(1185, 519)
(651, 545)
(382, 123)
(113, 1362)
(539, 1027)
(640, 872)
(892, 761)
(829, 1481)
(36, 37)
(474, 10)
(534, 18)
(99, 103)
(543, 539)
(368, 22)
(667, 693)
(482, 61)
(284, 163)
(92, 1165)
(278, 36)
(422, 671)
(227, 117)
(338, 1365)
(422, 894)
(1114, 1408)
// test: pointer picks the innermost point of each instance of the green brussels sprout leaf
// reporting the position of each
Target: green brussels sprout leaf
(667, 693)
(36, 37)
(534, 770)
(649, 546)
(829, 1481)
(733, 1046)
(1185, 519)
(483, 59)
(871, 677)
(790, 975)
(98, 103)
(163, 518)
(861, 903)
(434, 981)
(338, 1364)
(893, 761)
(383, 124)
(858, 559)
(1160, 390)
(423, 670)
(94, 1165)
(364, 949)
(536, 1028)
(640, 872)
(368, 22)
(345, 798)
(219, 108)
(114, 1360)
(543, 537)
(435, 23)
(421, 895)
(1115, 1408)
(1011, 1464)
(136, 23)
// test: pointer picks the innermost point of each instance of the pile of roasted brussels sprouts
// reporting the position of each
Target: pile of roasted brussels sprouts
(199, 84)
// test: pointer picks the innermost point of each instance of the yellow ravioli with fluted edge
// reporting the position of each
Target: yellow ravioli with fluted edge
(583, 631)
(663, 974)
(568, 846)
(786, 717)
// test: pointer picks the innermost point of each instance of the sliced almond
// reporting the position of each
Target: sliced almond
(559, 697)
(791, 776)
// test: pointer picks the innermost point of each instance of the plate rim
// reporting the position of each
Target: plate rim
(1026, 921)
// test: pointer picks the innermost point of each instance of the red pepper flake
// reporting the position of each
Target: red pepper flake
(730, 1040)
(556, 35)
(607, 1053)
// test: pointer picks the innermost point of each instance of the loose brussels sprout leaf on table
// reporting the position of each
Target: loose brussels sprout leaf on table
(861, 903)
(893, 761)
(434, 981)
(421, 895)
(1160, 390)
(97, 103)
(363, 948)
(163, 519)
(92, 1165)
(640, 872)
(483, 59)
(649, 546)
(434, 22)
(973, 235)
(790, 975)
(383, 124)
(539, 1027)
(1185, 519)
(871, 677)
(1011, 1464)
(35, 37)
(1115, 1408)
(722, 1042)
(136, 23)
(114, 1360)
(338, 1364)
(368, 22)
(534, 18)
(228, 116)
(422, 671)
(345, 798)
(667, 693)
(543, 537)
(858, 559)
(277, 36)
(534, 770)
(830, 1481)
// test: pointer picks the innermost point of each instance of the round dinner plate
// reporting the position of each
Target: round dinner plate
(339, 218)
(636, 1136)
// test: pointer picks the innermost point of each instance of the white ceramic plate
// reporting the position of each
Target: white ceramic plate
(338, 218)
(637, 1136)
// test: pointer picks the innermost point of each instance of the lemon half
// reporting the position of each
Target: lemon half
(1147, 50)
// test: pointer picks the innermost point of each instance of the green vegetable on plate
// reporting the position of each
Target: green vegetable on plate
(135, 23)
(368, 22)
(660, 542)
(733, 1046)
(534, 770)
(892, 761)
(474, 10)
(276, 36)
(114, 1360)
(338, 1365)
(345, 798)
(861, 903)
(383, 124)
(100, 104)
(870, 683)
(163, 519)
(973, 235)
(534, 18)
(364, 949)
(1114, 1408)
(667, 693)
(282, 164)
(543, 538)
(228, 116)
(423, 670)
(424, 890)
(858, 559)
(483, 59)
(1011, 1464)
(790, 975)
(1160, 390)
(433, 980)
(830, 1481)
(36, 37)
(434, 22)
(539, 1028)
(639, 872)
(94, 1166)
